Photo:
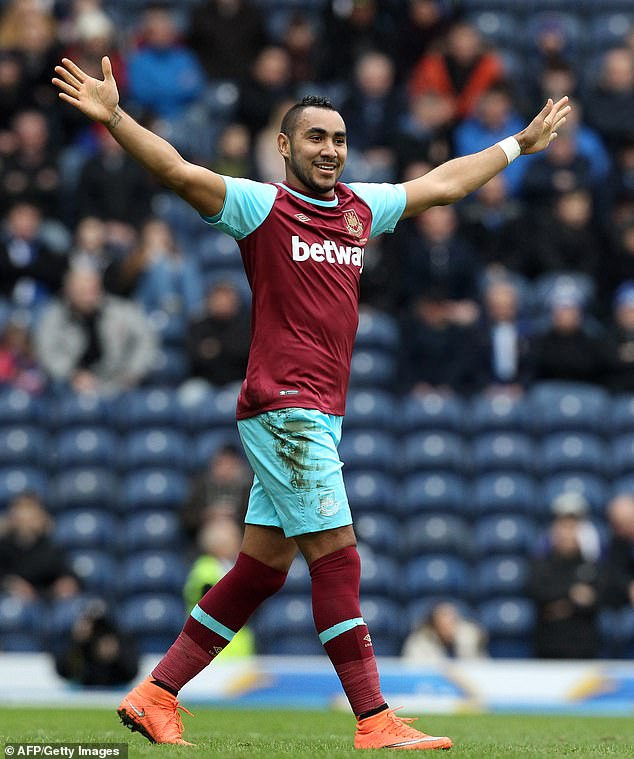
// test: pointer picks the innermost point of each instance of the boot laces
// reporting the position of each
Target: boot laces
(400, 725)
(173, 719)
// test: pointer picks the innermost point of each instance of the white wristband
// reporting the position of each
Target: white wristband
(511, 148)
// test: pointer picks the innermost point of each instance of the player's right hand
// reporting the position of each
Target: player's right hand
(94, 98)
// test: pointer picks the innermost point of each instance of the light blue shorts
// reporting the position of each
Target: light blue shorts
(298, 484)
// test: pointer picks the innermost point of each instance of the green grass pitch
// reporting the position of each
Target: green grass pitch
(277, 734)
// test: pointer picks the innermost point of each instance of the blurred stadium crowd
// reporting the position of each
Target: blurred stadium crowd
(494, 366)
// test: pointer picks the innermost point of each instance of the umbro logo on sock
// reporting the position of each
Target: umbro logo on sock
(217, 650)
(368, 640)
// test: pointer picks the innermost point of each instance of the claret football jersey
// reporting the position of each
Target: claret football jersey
(303, 257)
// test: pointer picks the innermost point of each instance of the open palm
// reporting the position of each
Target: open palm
(94, 98)
(543, 128)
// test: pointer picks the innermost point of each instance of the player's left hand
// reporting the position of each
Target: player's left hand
(543, 128)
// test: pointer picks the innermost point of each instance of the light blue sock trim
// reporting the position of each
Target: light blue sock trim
(339, 628)
(208, 621)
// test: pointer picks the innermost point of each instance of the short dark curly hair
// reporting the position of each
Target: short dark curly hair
(308, 101)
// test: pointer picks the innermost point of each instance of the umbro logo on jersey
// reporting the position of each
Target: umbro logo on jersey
(303, 217)
(329, 251)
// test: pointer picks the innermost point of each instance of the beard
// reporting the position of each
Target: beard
(307, 180)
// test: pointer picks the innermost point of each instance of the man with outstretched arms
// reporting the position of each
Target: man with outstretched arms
(302, 243)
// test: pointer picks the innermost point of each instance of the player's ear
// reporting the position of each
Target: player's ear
(284, 145)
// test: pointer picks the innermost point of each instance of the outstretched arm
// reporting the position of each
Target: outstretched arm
(453, 180)
(99, 101)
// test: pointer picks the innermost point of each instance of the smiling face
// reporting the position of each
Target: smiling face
(315, 151)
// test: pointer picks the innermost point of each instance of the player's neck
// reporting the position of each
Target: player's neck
(299, 187)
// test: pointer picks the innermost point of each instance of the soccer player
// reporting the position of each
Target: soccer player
(302, 244)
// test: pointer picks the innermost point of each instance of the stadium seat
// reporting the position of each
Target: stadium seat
(434, 493)
(15, 480)
(86, 529)
(368, 449)
(152, 572)
(501, 451)
(500, 412)
(509, 623)
(562, 406)
(504, 493)
(171, 366)
(569, 25)
(372, 368)
(20, 629)
(419, 610)
(86, 446)
(152, 489)
(96, 570)
(386, 624)
(160, 447)
(499, 28)
(433, 450)
(621, 485)
(548, 286)
(154, 619)
(148, 407)
(621, 414)
(212, 409)
(84, 487)
(380, 576)
(500, 576)
(437, 575)
(17, 407)
(570, 451)
(24, 446)
(608, 30)
(370, 491)
(282, 619)
(298, 578)
(80, 410)
(431, 411)
(437, 534)
(208, 443)
(377, 330)
(216, 250)
(151, 530)
(504, 534)
(236, 277)
(369, 409)
(379, 532)
(171, 330)
(591, 487)
(61, 615)
(622, 454)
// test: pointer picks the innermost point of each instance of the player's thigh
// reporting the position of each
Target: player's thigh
(314, 545)
(293, 453)
(269, 545)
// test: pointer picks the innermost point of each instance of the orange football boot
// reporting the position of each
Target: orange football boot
(386, 730)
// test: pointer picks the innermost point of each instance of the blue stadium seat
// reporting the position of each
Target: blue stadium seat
(500, 451)
(419, 610)
(298, 578)
(499, 28)
(177, 213)
(621, 485)
(370, 491)
(19, 624)
(81, 410)
(151, 530)
(548, 286)
(23, 446)
(434, 493)
(17, 407)
(152, 572)
(591, 487)
(437, 575)
(504, 534)
(621, 414)
(622, 454)
(15, 480)
(500, 576)
(171, 330)
(285, 624)
(570, 451)
(152, 489)
(236, 277)
(216, 250)
(433, 450)
(61, 616)
(368, 449)
(85, 487)
(155, 620)
(376, 330)
(86, 529)
(148, 407)
(380, 532)
(561, 406)
(437, 533)
(212, 409)
(86, 446)
(385, 621)
(504, 493)
(96, 570)
(372, 368)
(208, 443)
(509, 623)
(608, 30)
(171, 366)
(380, 575)
(500, 412)
(370, 409)
(160, 447)
(432, 411)
(569, 25)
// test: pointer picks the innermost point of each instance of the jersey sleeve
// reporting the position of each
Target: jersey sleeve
(247, 204)
(386, 201)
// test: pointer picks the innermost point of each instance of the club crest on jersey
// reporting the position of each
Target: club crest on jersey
(353, 223)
